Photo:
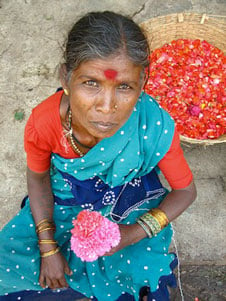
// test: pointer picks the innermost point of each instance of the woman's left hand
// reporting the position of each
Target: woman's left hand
(130, 234)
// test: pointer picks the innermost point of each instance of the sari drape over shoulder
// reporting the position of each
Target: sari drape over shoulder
(119, 178)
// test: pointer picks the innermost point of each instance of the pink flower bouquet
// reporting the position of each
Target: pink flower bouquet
(93, 235)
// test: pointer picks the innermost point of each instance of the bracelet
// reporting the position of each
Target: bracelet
(160, 216)
(51, 252)
(45, 225)
(45, 229)
(42, 221)
(152, 223)
(147, 231)
(47, 241)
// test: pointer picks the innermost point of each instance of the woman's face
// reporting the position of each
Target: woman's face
(102, 94)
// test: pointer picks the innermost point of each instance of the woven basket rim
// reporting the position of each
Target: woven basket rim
(220, 18)
(182, 17)
(218, 140)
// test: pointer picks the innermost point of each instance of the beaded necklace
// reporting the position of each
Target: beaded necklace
(75, 139)
(75, 147)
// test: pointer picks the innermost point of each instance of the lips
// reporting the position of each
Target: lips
(103, 126)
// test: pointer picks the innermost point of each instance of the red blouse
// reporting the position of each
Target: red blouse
(44, 135)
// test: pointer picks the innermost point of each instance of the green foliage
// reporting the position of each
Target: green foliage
(19, 115)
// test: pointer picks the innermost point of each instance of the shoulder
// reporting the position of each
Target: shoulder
(175, 167)
(156, 126)
(44, 121)
(155, 114)
(48, 109)
(45, 117)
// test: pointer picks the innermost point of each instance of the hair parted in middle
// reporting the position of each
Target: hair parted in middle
(102, 34)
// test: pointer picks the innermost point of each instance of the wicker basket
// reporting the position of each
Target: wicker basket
(164, 29)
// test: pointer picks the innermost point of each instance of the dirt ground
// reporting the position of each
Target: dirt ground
(205, 282)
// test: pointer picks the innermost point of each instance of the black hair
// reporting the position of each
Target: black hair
(102, 34)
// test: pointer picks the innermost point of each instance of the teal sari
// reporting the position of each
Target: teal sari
(106, 179)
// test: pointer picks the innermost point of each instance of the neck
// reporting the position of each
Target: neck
(87, 143)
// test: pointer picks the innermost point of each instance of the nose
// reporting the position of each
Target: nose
(106, 102)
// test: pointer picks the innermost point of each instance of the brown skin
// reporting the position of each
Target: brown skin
(92, 98)
(54, 267)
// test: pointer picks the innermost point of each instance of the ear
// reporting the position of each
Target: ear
(145, 79)
(63, 77)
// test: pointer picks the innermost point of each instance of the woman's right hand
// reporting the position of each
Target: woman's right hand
(52, 271)
(53, 268)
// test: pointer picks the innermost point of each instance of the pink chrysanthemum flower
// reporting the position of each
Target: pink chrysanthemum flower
(93, 235)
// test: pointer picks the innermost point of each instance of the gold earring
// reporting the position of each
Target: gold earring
(115, 107)
(66, 92)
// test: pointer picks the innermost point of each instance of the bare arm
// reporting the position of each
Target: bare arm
(40, 195)
(54, 267)
(177, 201)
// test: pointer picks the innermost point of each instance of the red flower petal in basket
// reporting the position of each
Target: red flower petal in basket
(188, 79)
(194, 110)
(162, 58)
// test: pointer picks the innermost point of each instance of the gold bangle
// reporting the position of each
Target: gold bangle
(42, 221)
(160, 212)
(43, 224)
(152, 223)
(160, 216)
(158, 221)
(51, 252)
(47, 241)
(45, 229)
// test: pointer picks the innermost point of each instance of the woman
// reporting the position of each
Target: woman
(97, 144)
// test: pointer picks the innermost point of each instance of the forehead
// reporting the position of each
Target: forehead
(113, 67)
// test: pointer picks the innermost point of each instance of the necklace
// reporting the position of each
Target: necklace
(75, 147)
(74, 138)
(78, 142)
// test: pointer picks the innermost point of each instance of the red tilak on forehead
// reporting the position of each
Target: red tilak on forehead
(110, 73)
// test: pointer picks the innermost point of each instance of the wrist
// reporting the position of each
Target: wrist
(51, 252)
(45, 229)
(46, 235)
(46, 248)
(139, 232)
(46, 245)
